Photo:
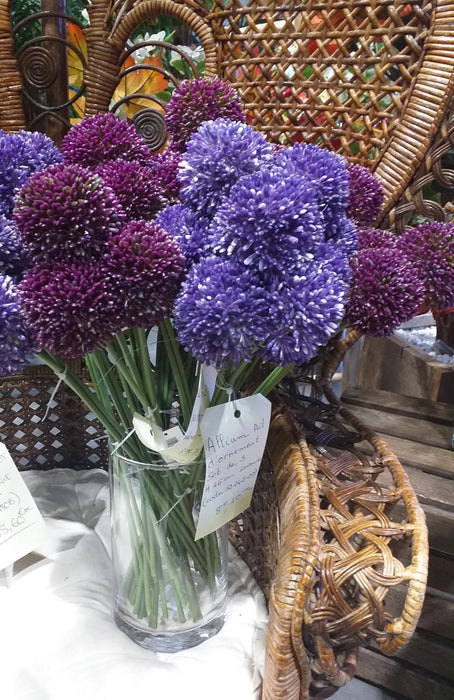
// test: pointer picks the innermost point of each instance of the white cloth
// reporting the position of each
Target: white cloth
(58, 640)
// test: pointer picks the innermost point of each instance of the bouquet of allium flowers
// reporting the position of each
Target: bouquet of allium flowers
(239, 254)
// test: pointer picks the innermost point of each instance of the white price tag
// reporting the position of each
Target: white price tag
(234, 436)
(22, 528)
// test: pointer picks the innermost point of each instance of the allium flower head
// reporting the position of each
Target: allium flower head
(164, 172)
(365, 196)
(217, 156)
(145, 267)
(221, 312)
(138, 193)
(22, 154)
(266, 219)
(386, 291)
(70, 309)
(199, 100)
(66, 213)
(11, 262)
(190, 231)
(15, 343)
(430, 247)
(327, 173)
(377, 238)
(304, 310)
(101, 138)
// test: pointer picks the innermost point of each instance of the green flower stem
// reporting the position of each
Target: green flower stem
(124, 371)
(106, 387)
(139, 339)
(272, 380)
(177, 365)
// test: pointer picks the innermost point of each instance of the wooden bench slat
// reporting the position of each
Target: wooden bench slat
(389, 402)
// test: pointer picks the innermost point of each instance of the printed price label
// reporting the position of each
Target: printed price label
(22, 527)
(234, 436)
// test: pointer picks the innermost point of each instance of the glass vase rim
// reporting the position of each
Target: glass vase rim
(158, 464)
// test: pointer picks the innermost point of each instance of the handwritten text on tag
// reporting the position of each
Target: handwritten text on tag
(234, 436)
(22, 527)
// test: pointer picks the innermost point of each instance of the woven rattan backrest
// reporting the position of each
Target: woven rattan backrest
(368, 79)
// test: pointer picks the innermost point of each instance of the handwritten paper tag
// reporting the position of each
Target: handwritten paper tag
(22, 528)
(234, 436)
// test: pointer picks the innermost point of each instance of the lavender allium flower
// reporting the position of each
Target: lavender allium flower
(101, 138)
(386, 291)
(11, 262)
(15, 342)
(267, 219)
(305, 310)
(139, 195)
(221, 312)
(70, 309)
(430, 247)
(217, 156)
(199, 100)
(190, 231)
(365, 197)
(164, 171)
(327, 173)
(66, 213)
(22, 154)
(144, 268)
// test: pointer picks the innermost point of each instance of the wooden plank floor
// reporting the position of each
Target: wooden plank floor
(420, 432)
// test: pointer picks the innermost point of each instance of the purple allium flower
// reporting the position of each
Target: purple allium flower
(70, 309)
(344, 234)
(145, 267)
(218, 155)
(164, 170)
(139, 195)
(199, 100)
(365, 197)
(22, 154)
(305, 310)
(267, 219)
(66, 213)
(15, 342)
(386, 291)
(430, 247)
(377, 238)
(190, 231)
(327, 173)
(221, 312)
(11, 262)
(97, 139)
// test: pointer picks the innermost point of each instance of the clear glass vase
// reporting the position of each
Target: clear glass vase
(170, 590)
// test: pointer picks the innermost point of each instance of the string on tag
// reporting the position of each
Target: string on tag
(117, 447)
(183, 495)
(61, 378)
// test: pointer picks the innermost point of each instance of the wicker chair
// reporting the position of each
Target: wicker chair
(374, 82)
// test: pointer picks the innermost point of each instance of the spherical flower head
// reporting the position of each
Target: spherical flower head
(365, 196)
(66, 213)
(327, 173)
(11, 260)
(145, 267)
(431, 249)
(344, 234)
(221, 312)
(16, 345)
(199, 100)
(70, 309)
(101, 138)
(377, 238)
(22, 154)
(217, 156)
(386, 291)
(190, 231)
(304, 310)
(137, 192)
(164, 172)
(267, 218)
